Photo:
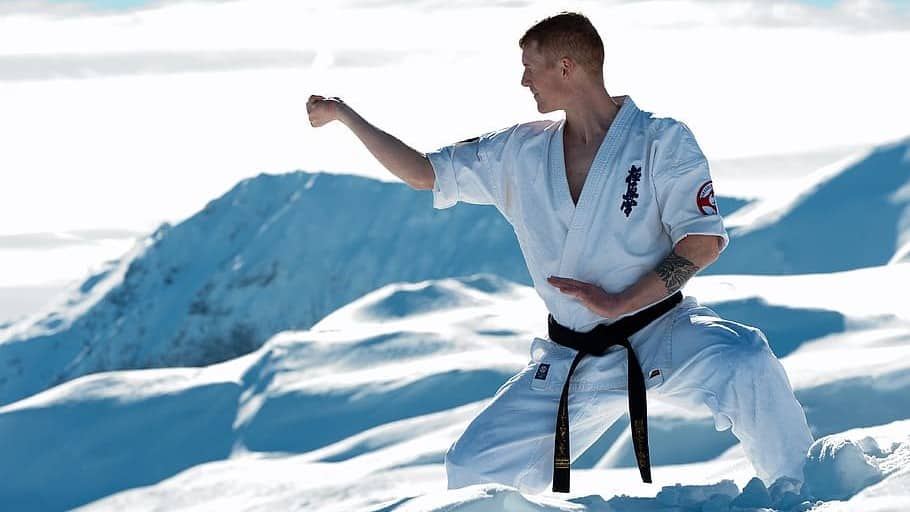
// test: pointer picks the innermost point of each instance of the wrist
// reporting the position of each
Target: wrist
(344, 113)
(625, 299)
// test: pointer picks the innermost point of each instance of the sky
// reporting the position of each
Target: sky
(117, 116)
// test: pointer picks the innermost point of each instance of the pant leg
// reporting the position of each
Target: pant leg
(511, 441)
(730, 367)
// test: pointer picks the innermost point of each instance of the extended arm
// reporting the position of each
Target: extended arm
(400, 159)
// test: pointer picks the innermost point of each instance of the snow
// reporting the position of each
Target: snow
(841, 465)
(350, 416)
(349, 402)
(264, 258)
(847, 215)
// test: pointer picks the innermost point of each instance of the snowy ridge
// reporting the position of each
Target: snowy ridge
(902, 254)
(849, 215)
(760, 214)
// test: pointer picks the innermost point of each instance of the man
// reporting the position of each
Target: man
(614, 211)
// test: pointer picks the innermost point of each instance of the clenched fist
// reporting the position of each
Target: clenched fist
(322, 110)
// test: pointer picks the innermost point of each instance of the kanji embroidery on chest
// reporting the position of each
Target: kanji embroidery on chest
(629, 198)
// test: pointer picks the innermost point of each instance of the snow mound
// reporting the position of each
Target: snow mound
(408, 300)
(840, 465)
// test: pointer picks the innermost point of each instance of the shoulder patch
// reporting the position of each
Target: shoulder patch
(705, 199)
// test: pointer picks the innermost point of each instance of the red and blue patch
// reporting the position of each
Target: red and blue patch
(705, 199)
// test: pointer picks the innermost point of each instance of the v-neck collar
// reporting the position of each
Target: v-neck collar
(604, 154)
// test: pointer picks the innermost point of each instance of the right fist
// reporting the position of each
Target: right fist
(323, 110)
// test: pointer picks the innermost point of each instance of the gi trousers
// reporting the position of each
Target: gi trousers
(689, 356)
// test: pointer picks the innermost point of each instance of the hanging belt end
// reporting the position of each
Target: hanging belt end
(561, 481)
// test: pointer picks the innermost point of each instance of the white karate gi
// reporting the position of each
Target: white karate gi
(648, 187)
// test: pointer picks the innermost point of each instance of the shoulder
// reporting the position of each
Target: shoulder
(538, 127)
(675, 137)
(525, 130)
(517, 136)
(665, 129)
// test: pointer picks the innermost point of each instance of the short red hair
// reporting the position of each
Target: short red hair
(568, 34)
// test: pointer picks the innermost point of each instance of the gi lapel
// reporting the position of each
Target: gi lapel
(590, 192)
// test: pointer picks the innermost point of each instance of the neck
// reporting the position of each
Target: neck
(589, 114)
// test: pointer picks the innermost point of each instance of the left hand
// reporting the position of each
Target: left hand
(607, 305)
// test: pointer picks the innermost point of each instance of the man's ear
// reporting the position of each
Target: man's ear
(567, 66)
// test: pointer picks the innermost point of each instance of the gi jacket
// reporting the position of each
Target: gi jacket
(648, 187)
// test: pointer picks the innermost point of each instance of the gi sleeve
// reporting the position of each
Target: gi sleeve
(465, 171)
(685, 192)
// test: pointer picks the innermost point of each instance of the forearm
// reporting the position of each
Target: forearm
(400, 159)
(692, 254)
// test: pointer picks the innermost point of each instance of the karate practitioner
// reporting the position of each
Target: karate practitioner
(614, 211)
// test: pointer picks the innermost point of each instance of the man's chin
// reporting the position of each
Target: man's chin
(543, 109)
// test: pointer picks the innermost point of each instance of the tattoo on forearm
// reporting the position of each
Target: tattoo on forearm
(675, 270)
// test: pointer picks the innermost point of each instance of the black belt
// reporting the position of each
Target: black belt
(595, 343)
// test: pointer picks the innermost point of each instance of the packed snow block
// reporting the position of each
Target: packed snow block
(755, 495)
(717, 503)
(488, 497)
(837, 467)
(786, 493)
(692, 496)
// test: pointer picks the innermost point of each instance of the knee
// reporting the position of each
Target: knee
(466, 466)
(708, 337)
(754, 370)
(749, 348)
(459, 464)
(749, 362)
(760, 341)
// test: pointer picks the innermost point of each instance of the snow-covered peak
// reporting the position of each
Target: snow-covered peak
(848, 215)
(276, 252)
